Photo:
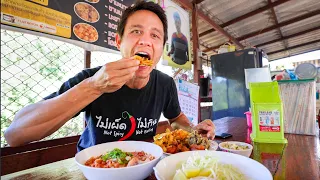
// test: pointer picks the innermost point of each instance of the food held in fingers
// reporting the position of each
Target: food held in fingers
(144, 60)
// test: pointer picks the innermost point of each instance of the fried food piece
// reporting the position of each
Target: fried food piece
(172, 149)
(143, 61)
(196, 139)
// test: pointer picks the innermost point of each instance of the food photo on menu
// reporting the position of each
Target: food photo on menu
(85, 32)
(89, 14)
(86, 12)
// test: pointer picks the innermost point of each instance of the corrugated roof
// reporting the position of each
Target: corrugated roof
(294, 17)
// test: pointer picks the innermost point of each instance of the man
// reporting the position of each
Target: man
(121, 99)
(179, 43)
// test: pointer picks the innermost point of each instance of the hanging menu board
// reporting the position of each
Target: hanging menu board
(188, 95)
(86, 23)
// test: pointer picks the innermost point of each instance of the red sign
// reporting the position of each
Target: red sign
(269, 128)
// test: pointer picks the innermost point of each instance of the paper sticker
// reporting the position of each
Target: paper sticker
(269, 121)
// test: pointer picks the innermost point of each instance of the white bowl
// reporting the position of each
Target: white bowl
(246, 152)
(137, 172)
(252, 169)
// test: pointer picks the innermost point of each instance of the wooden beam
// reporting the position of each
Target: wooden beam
(274, 16)
(5, 151)
(87, 64)
(197, 63)
(87, 59)
(305, 16)
(186, 4)
(291, 21)
(30, 159)
(290, 36)
(296, 46)
(245, 16)
(176, 73)
(312, 50)
(220, 30)
(197, 68)
(197, 1)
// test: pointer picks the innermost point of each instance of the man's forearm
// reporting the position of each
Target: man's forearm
(181, 122)
(39, 120)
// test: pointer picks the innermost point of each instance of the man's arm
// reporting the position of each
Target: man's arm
(206, 127)
(181, 122)
(41, 119)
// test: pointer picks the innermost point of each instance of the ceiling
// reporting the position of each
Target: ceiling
(281, 28)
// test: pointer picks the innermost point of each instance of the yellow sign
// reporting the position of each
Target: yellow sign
(43, 2)
(32, 16)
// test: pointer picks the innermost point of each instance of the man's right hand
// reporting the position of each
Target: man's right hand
(112, 76)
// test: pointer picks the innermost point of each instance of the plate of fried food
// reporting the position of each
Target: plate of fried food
(179, 140)
(85, 32)
(86, 12)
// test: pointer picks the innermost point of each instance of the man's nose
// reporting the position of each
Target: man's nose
(145, 40)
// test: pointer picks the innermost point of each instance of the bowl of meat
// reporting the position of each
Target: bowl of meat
(119, 160)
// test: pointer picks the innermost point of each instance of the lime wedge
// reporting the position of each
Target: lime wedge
(191, 172)
(205, 172)
(180, 176)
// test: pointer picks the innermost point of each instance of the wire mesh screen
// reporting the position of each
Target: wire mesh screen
(101, 58)
(32, 67)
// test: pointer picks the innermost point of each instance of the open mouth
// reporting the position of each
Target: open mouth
(144, 59)
(143, 54)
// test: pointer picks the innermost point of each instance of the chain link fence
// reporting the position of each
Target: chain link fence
(33, 67)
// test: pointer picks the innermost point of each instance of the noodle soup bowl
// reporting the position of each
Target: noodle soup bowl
(137, 172)
(251, 169)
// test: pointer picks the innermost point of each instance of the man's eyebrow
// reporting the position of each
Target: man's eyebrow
(158, 30)
(136, 26)
(140, 26)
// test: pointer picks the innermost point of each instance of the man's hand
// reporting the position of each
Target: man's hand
(206, 128)
(112, 76)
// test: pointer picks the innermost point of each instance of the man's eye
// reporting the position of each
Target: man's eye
(136, 31)
(155, 36)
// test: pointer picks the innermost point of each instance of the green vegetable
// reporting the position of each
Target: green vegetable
(117, 154)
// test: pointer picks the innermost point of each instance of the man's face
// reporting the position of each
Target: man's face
(143, 33)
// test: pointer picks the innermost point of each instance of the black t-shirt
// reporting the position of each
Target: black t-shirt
(127, 114)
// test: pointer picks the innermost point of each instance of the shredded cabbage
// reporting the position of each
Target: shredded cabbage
(219, 171)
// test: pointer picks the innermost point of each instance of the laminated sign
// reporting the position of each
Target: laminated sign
(90, 24)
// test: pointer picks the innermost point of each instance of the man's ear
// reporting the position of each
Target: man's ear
(118, 41)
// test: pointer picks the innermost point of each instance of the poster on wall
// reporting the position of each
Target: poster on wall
(188, 94)
(177, 49)
(90, 24)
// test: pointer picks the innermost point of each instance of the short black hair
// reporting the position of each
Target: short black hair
(143, 5)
